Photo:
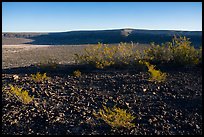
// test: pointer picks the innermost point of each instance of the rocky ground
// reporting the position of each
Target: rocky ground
(25, 55)
(64, 104)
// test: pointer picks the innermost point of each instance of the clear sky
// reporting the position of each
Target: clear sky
(68, 16)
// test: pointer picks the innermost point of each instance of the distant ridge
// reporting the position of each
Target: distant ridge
(105, 36)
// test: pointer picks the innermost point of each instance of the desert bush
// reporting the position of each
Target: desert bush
(178, 52)
(104, 55)
(184, 53)
(99, 56)
(115, 117)
(200, 55)
(77, 73)
(48, 64)
(155, 75)
(39, 77)
(21, 95)
(159, 54)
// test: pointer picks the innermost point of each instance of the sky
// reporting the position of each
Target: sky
(71, 16)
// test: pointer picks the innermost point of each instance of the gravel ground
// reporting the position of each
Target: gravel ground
(15, 41)
(25, 55)
(64, 104)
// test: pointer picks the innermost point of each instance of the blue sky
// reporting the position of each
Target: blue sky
(68, 16)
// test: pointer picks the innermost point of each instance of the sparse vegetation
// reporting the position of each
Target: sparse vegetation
(155, 75)
(127, 88)
(21, 95)
(184, 53)
(39, 77)
(178, 52)
(159, 54)
(77, 73)
(115, 117)
(103, 55)
(48, 64)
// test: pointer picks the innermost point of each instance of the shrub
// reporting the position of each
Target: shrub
(103, 55)
(184, 53)
(156, 75)
(39, 77)
(178, 52)
(22, 95)
(99, 56)
(48, 64)
(159, 54)
(200, 55)
(115, 117)
(77, 73)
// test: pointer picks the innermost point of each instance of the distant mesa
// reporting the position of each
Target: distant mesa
(105, 36)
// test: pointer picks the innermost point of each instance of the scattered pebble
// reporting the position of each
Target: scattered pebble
(65, 105)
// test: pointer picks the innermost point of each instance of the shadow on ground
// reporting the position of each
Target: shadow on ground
(60, 69)
(69, 68)
(109, 37)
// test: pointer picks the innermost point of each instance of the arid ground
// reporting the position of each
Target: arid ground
(64, 104)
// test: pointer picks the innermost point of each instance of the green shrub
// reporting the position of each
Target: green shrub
(155, 75)
(178, 52)
(39, 77)
(77, 73)
(21, 95)
(99, 56)
(103, 55)
(115, 117)
(159, 54)
(48, 64)
(200, 55)
(184, 53)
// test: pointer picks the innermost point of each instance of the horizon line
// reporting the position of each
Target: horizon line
(96, 30)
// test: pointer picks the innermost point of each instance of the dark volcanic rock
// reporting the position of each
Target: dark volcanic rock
(64, 104)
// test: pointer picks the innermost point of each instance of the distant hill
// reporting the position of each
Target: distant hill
(103, 36)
